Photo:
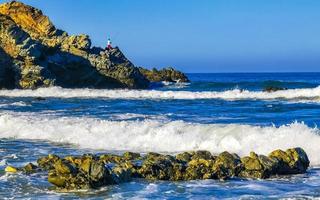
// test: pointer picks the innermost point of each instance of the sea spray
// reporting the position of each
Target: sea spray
(161, 135)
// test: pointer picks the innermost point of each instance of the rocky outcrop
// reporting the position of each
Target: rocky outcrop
(90, 171)
(167, 74)
(34, 53)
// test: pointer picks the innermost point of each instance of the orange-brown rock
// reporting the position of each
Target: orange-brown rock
(36, 54)
(29, 19)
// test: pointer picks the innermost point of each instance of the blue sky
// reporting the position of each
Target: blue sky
(200, 35)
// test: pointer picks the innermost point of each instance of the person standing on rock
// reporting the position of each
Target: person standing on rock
(109, 44)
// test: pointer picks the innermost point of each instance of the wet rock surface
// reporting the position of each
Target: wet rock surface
(93, 171)
(34, 53)
(167, 74)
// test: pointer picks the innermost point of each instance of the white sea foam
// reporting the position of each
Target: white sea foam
(306, 93)
(161, 136)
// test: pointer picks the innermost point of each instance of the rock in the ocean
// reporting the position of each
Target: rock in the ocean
(11, 169)
(258, 166)
(227, 165)
(167, 74)
(48, 162)
(30, 168)
(291, 161)
(161, 167)
(92, 171)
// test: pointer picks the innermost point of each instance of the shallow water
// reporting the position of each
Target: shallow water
(215, 112)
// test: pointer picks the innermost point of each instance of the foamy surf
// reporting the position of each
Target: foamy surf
(161, 136)
(306, 93)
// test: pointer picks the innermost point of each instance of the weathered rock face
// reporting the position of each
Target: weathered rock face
(90, 171)
(36, 54)
(167, 74)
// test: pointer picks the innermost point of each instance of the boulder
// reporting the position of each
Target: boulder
(11, 169)
(30, 168)
(258, 166)
(227, 165)
(47, 162)
(199, 168)
(184, 157)
(122, 173)
(161, 167)
(291, 161)
(167, 74)
(131, 156)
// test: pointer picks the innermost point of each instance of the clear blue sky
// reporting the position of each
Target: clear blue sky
(199, 35)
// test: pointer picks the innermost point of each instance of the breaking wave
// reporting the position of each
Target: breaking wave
(161, 135)
(306, 93)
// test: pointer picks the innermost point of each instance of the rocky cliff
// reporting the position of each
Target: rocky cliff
(34, 53)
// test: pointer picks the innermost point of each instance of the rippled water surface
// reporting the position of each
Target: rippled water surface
(215, 112)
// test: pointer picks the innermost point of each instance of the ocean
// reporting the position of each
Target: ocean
(215, 112)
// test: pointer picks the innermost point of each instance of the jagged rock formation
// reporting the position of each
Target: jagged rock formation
(34, 53)
(167, 74)
(93, 171)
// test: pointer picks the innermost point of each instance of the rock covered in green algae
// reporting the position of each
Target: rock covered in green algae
(30, 168)
(229, 163)
(47, 162)
(92, 171)
(291, 161)
(161, 167)
(74, 173)
(258, 166)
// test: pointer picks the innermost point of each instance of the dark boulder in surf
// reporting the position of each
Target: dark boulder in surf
(291, 161)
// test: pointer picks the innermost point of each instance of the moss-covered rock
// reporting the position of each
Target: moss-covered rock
(131, 156)
(30, 168)
(199, 169)
(291, 161)
(92, 171)
(229, 164)
(185, 156)
(47, 162)
(258, 166)
(161, 167)
(167, 74)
